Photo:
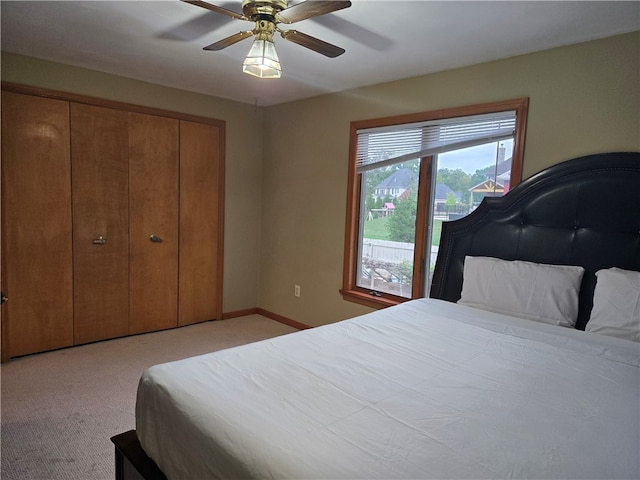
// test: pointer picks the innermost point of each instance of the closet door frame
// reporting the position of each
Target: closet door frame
(217, 189)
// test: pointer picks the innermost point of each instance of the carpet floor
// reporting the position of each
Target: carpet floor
(60, 408)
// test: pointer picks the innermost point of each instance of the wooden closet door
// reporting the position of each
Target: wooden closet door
(36, 224)
(153, 211)
(100, 173)
(200, 217)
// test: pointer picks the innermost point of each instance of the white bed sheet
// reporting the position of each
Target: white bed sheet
(427, 389)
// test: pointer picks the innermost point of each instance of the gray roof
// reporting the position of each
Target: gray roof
(402, 178)
(442, 191)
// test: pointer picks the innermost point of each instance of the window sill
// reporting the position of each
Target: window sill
(364, 298)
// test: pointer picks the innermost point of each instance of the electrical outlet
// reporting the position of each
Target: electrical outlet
(296, 290)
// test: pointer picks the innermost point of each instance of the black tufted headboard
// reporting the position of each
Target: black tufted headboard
(583, 212)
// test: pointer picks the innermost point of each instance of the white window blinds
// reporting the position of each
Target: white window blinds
(379, 147)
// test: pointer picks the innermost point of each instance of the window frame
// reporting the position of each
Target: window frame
(350, 291)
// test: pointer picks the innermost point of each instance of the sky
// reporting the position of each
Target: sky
(473, 158)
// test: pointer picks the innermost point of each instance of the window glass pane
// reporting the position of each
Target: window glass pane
(459, 145)
(464, 178)
(388, 228)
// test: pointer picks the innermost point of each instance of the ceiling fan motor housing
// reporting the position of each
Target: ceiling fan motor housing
(259, 9)
(267, 14)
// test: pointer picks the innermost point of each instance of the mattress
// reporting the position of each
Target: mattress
(427, 389)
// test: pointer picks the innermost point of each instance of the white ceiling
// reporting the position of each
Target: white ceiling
(161, 41)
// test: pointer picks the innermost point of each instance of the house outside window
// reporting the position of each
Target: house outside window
(410, 173)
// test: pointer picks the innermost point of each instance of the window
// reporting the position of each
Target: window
(407, 175)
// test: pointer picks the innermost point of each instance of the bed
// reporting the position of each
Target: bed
(523, 363)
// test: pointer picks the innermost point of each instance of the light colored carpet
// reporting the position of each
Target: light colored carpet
(59, 409)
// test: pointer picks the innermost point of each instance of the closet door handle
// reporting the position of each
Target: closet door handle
(100, 240)
(155, 239)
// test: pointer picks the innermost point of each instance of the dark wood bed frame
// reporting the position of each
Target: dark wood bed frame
(583, 212)
(131, 461)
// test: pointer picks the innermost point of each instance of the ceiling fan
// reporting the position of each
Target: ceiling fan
(262, 60)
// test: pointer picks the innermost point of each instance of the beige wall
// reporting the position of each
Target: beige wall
(583, 99)
(243, 155)
(286, 165)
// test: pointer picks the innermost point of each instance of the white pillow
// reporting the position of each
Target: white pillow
(534, 291)
(616, 304)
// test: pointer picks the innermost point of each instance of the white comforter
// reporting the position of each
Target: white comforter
(428, 389)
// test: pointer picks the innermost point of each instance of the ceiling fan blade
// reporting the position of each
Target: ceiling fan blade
(214, 8)
(312, 43)
(310, 8)
(225, 42)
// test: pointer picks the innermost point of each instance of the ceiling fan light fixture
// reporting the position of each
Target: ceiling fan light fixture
(262, 60)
